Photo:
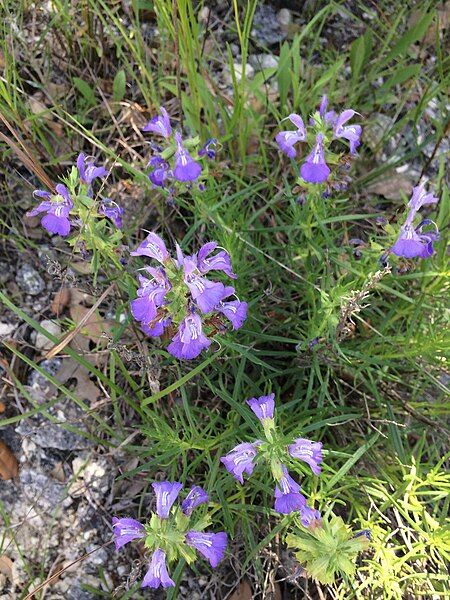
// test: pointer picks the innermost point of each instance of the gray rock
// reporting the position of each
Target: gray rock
(239, 69)
(29, 280)
(52, 435)
(38, 381)
(6, 328)
(5, 272)
(44, 492)
(264, 61)
(267, 30)
(42, 342)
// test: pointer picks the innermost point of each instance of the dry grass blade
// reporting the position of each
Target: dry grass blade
(69, 336)
(24, 155)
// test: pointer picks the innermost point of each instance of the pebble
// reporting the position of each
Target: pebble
(5, 272)
(29, 280)
(6, 328)
(284, 17)
(42, 342)
(239, 69)
(264, 61)
(267, 29)
(38, 381)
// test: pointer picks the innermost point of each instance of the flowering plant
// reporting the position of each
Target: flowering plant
(178, 297)
(169, 534)
(173, 166)
(275, 452)
(74, 205)
(325, 127)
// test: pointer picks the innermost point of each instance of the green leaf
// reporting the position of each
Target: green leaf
(413, 35)
(85, 89)
(357, 56)
(119, 86)
(403, 74)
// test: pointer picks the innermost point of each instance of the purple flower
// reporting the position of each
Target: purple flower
(155, 328)
(240, 460)
(286, 140)
(211, 545)
(150, 297)
(315, 169)
(411, 241)
(190, 340)
(219, 262)
(207, 294)
(308, 515)
(287, 494)
(160, 171)
(154, 247)
(186, 168)
(196, 496)
(57, 206)
(113, 211)
(208, 149)
(157, 573)
(352, 133)
(160, 124)
(126, 530)
(234, 310)
(263, 407)
(308, 451)
(88, 171)
(166, 494)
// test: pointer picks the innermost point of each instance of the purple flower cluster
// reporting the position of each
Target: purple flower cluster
(184, 168)
(241, 459)
(211, 545)
(60, 205)
(178, 296)
(413, 241)
(327, 127)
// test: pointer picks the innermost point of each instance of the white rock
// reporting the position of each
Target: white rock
(42, 342)
(239, 69)
(268, 61)
(284, 17)
(6, 328)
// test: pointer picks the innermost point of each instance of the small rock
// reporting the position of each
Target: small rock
(51, 435)
(239, 69)
(264, 61)
(38, 381)
(267, 30)
(42, 342)
(44, 493)
(284, 17)
(6, 328)
(5, 272)
(29, 280)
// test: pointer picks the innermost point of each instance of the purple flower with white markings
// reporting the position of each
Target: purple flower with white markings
(88, 171)
(234, 310)
(308, 515)
(190, 339)
(160, 125)
(352, 133)
(126, 530)
(263, 407)
(166, 494)
(286, 140)
(57, 206)
(169, 533)
(274, 452)
(324, 127)
(195, 497)
(112, 211)
(211, 545)
(157, 574)
(180, 297)
(412, 241)
(161, 171)
(315, 169)
(186, 168)
(240, 460)
(308, 451)
(208, 149)
(287, 494)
